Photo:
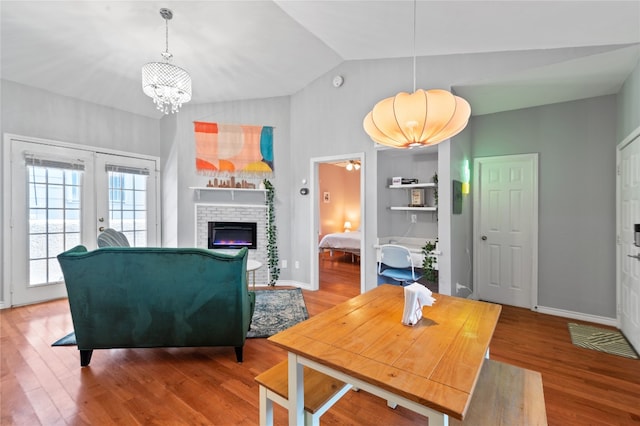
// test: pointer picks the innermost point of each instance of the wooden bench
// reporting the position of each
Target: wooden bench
(505, 395)
(320, 393)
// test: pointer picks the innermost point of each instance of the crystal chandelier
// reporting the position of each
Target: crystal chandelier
(169, 86)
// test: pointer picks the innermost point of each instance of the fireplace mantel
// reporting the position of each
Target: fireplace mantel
(232, 191)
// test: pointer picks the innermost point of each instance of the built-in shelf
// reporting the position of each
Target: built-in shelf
(410, 186)
(232, 191)
(421, 209)
(414, 185)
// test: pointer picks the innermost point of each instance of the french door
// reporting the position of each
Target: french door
(126, 203)
(63, 196)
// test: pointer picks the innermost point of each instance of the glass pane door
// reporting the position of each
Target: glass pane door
(54, 218)
(52, 207)
(130, 201)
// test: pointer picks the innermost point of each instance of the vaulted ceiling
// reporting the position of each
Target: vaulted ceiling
(93, 50)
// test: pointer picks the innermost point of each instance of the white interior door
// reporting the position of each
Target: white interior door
(506, 229)
(61, 196)
(628, 247)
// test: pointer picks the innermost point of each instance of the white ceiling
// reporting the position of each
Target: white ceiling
(93, 50)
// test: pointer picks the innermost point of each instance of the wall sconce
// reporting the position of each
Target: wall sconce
(347, 226)
(466, 177)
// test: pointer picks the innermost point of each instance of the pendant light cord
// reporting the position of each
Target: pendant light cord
(414, 46)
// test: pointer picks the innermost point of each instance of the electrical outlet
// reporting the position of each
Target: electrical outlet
(414, 218)
(284, 264)
(297, 264)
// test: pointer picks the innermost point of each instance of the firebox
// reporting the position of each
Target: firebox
(232, 235)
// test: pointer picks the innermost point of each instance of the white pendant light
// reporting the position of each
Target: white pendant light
(425, 117)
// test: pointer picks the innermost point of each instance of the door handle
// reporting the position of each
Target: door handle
(483, 238)
(637, 256)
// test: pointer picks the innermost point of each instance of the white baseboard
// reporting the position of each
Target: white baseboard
(291, 283)
(613, 322)
(465, 293)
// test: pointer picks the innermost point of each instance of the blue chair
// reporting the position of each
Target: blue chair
(112, 238)
(396, 263)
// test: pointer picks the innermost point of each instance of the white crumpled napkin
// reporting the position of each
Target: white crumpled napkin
(415, 297)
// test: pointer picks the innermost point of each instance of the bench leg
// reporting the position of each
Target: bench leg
(266, 408)
(439, 420)
(311, 419)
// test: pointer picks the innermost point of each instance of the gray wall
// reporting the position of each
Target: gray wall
(461, 225)
(414, 163)
(577, 171)
(170, 181)
(629, 105)
(27, 111)
(326, 121)
(576, 141)
(178, 144)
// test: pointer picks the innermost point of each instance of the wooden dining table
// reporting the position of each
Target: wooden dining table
(430, 368)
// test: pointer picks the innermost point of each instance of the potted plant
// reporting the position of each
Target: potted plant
(272, 234)
(430, 273)
(435, 188)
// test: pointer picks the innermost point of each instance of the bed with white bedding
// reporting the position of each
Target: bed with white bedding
(348, 242)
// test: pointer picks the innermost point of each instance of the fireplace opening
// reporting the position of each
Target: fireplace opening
(232, 235)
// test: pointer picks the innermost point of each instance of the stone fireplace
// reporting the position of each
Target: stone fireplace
(237, 213)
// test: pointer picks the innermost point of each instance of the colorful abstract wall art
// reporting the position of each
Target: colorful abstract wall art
(234, 150)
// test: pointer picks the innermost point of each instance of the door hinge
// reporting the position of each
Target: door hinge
(618, 239)
(618, 169)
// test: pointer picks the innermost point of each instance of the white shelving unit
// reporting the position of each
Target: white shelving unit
(419, 209)
(414, 185)
(232, 191)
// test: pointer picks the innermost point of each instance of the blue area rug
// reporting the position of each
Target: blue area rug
(277, 310)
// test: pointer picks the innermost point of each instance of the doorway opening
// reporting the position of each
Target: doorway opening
(338, 223)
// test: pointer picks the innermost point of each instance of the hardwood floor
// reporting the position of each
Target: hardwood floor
(40, 384)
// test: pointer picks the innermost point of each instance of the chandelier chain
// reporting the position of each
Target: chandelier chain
(166, 35)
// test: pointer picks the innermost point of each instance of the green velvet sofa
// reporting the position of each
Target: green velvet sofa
(126, 297)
